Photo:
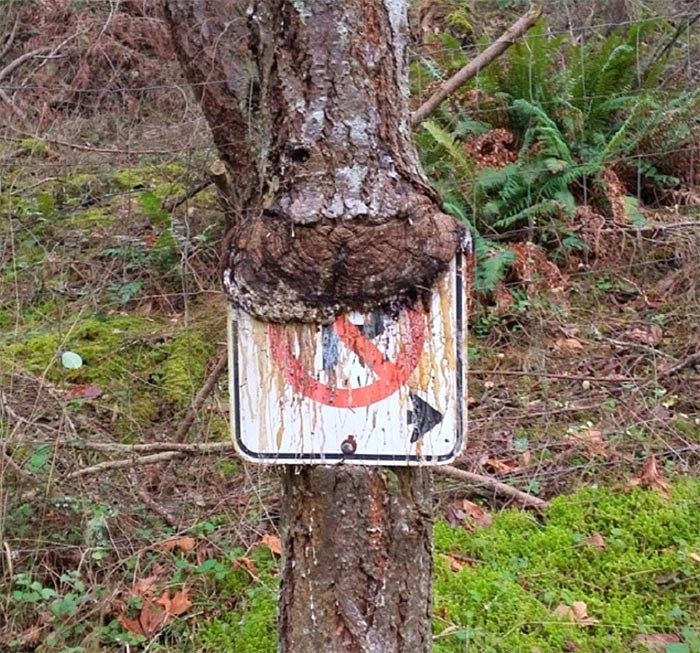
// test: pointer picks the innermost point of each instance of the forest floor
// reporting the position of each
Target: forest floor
(579, 392)
(584, 393)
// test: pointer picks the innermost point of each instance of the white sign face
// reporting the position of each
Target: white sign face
(370, 389)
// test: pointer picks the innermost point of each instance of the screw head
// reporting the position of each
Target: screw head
(349, 445)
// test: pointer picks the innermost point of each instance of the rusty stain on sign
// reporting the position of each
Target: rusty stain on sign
(372, 389)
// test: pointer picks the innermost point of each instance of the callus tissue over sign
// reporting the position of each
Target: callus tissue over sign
(372, 389)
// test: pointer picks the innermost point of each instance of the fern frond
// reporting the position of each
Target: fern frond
(450, 146)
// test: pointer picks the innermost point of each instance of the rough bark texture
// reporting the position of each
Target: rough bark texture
(307, 101)
(357, 571)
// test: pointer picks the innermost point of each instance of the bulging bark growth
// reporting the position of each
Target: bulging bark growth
(307, 102)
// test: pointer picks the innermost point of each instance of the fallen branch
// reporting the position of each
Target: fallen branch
(16, 63)
(83, 148)
(13, 107)
(563, 377)
(496, 49)
(7, 46)
(201, 396)
(110, 465)
(164, 452)
(688, 361)
(10, 462)
(202, 449)
(171, 203)
(498, 487)
(153, 505)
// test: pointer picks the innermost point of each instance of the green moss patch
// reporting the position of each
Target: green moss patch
(637, 576)
(251, 627)
(143, 373)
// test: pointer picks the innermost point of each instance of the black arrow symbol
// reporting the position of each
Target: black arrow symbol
(423, 417)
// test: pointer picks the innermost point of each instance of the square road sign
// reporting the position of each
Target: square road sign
(372, 389)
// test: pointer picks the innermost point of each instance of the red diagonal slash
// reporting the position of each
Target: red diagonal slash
(390, 375)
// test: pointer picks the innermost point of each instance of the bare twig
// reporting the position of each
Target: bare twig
(123, 463)
(682, 27)
(497, 48)
(153, 505)
(203, 448)
(164, 452)
(653, 227)
(16, 63)
(626, 344)
(563, 377)
(84, 148)
(201, 396)
(9, 461)
(498, 487)
(15, 109)
(10, 39)
(171, 203)
(688, 361)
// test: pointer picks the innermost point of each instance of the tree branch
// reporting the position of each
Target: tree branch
(496, 49)
(688, 361)
(7, 46)
(203, 449)
(201, 396)
(498, 487)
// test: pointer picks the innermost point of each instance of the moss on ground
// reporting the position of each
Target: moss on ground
(251, 627)
(645, 580)
(185, 365)
(641, 577)
(143, 372)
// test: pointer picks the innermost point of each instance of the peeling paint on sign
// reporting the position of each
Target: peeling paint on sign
(371, 389)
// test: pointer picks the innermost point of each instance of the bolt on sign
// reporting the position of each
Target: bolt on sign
(372, 389)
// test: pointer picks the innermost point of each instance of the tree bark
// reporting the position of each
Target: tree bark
(331, 212)
(307, 102)
(357, 571)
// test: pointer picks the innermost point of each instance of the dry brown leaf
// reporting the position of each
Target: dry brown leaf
(273, 543)
(144, 586)
(597, 541)
(695, 557)
(503, 301)
(32, 636)
(650, 477)
(184, 543)
(82, 391)
(577, 613)
(568, 343)
(647, 334)
(132, 625)
(458, 562)
(180, 602)
(657, 641)
(247, 564)
(476, 513)
(152, 618)
(501, 466)
(592, 440)
(174, 605)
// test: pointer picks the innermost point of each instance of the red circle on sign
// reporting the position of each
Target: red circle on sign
(391, 375)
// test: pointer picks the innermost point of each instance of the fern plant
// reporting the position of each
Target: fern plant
(576, 111)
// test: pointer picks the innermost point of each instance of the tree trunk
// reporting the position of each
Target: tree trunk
(307, 102)
(357, 574)
(331, 212)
